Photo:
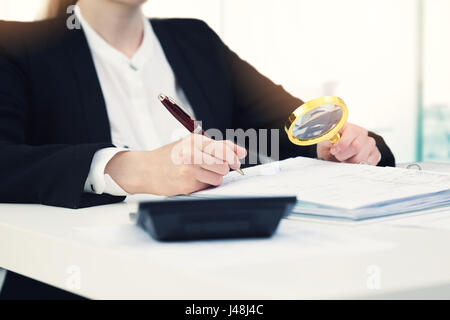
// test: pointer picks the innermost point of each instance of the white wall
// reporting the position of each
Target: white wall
(437, 80)
(210, 11)
(437, 52)
(21, 10)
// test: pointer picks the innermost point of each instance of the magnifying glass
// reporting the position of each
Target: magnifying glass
(317, 120)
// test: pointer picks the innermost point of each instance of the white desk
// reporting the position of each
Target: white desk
(403, 256)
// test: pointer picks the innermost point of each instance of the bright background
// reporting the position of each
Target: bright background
(388, 59)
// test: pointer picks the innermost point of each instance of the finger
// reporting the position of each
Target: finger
(362, 155)
(208, 177)
(368, 147)
(356, 145)
(196, 146)
(191, 154)
(189, 148)
(200, 139)
(189, 183)
(351, 150)
(222, 151)
(241, 152)
(215, 165)
(348, 133)
(323, 150)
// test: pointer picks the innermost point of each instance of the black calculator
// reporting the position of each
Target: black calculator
(218, 218)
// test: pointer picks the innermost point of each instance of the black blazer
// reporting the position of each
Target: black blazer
(53, 116)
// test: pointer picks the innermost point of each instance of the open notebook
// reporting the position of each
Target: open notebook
(340, 190)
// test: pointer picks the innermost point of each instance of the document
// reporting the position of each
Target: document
(340, 190)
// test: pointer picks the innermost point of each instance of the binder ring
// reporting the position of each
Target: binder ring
(414, 166)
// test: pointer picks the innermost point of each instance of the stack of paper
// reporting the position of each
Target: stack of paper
(340, 190)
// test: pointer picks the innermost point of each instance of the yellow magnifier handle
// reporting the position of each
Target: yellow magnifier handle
(336, 138)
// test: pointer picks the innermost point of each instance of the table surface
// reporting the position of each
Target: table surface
(99, 253)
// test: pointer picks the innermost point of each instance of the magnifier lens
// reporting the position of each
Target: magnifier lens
(317, 122)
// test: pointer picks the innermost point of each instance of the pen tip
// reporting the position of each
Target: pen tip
(240, 171)
(161, 97)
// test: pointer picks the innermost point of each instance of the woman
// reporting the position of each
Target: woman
(80, 124)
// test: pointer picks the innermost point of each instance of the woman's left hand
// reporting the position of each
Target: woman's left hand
(355, 146)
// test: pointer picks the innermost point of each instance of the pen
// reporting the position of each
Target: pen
(184, 118)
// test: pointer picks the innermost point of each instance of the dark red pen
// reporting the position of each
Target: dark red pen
(184, 118)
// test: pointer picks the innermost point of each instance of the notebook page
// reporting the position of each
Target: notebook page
(332, 184)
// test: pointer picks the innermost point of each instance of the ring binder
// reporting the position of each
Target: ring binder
(342, 190)
(414, 165)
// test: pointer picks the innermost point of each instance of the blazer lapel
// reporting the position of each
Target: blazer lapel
(184, 76)
(88, 86)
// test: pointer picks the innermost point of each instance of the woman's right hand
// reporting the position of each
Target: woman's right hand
(185, 166)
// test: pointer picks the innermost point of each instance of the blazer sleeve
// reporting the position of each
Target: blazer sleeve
(260, 103)
(44, 174)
